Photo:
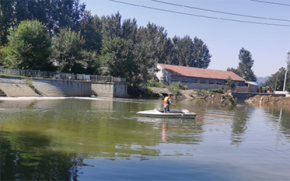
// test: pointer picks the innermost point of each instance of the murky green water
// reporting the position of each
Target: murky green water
(103, 139)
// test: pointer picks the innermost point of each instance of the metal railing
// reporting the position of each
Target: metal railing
(58, 75)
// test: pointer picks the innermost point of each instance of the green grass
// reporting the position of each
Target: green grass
(11, 75)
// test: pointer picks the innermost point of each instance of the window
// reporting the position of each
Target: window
(219, 82)
(211, 81)
(202, 81)
(175, 79)
(194, 80)
(185, 80)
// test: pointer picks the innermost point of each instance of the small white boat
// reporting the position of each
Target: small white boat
(174, 113)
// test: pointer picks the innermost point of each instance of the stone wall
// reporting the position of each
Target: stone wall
(109, 89)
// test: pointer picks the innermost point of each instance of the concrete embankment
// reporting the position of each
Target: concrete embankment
(16, 87)
(27, 87)
(35, 87)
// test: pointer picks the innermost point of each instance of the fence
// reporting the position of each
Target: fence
(57, 75)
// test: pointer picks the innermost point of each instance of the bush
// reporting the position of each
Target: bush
(175, 87)
(154, 83)
(216, 90)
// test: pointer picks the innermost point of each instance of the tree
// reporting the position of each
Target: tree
(53, 14)
(29, 47)
(277, 80)
(201, 55)
(90, 33)
(67, 51)
(230, 83)
(244, 69)
(191, 53)
(6, 18)
(123, 59)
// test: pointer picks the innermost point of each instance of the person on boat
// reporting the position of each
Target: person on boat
(167, 103)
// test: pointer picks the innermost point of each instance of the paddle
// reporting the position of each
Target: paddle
(177, 107)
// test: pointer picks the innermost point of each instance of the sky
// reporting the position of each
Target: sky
(268, 44)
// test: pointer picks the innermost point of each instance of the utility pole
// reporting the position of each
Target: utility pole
(287, 67)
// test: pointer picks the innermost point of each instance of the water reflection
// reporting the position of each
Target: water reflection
(27, 156)
(53, 139)
(239, 125)
(280, 117)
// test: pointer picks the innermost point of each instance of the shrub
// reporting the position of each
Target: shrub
(154, 83)
(175, 87)
(230, 83)
(216, 90)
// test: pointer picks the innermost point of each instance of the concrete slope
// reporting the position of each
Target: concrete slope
(16, 87)
(62, 88)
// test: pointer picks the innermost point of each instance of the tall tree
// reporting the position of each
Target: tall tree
(201, 55)
(156, 38)
(90, 33)
(188, 52)
(129, 30)
(6, 18)
(53, 14)
(67, 49)
(111, 26)
(245, 66)
(123, 59)
(29, 47)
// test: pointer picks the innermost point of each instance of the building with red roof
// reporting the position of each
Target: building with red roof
(196, 78)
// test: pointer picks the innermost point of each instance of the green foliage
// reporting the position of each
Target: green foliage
(260, 88)
(28, 82)
(77, 48)
(89, 31)
(148, 90)
(3, 55)
(216, 90)
(68, 53)
(176, 87)
(277, 80)
(29, 47)
(244, 69)
(53, 14)
(154, 83)
(230, 83)
(124, 59)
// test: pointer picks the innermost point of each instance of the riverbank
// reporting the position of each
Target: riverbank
(269, 100)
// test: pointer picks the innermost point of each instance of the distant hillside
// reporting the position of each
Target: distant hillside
(262, 79)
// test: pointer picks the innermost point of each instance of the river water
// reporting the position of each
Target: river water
(104, 139)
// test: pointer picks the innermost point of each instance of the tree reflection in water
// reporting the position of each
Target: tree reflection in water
(239, 125)
(31, 158)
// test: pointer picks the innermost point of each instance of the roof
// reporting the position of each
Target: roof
(199, 72)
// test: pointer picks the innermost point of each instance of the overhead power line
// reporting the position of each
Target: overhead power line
(271, 3)
(214, 11)
(201, 16)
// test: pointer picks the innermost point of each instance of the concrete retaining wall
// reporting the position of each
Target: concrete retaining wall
(215, 86)
(109, 89)
(16, 87)
(62, 88)
(248, 95)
